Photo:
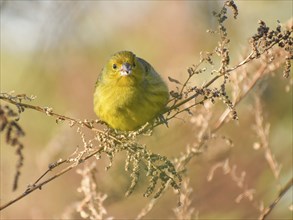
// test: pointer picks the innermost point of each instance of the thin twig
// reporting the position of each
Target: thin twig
(58, 116)
(40, 109)
(282, 192)
(193, 96)
(32, 188)
(224, 115)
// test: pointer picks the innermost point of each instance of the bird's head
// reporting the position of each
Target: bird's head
(124, 68)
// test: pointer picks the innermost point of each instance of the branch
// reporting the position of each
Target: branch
(225, 114)
(48, 111)
(282, 192)
(111, 142)
(45, 110)
(35, 186)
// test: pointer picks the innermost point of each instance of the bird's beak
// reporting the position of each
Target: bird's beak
(125, 69)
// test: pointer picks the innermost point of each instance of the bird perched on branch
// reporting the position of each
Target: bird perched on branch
(129, 92)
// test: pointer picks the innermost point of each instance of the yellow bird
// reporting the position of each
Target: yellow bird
(129, 92)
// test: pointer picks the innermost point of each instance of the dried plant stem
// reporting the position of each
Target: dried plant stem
(40, 109)
(148, 207)
(193, 96)
(262, 130)
(33, 187)
(131, 148)
(222, 118)
(224, 115)
(190, 75)
(282, 192)
(49, 112)
(248, 59)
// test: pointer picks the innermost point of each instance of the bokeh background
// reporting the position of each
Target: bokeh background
(55, 50)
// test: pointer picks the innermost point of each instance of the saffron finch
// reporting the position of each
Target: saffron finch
(129, 92)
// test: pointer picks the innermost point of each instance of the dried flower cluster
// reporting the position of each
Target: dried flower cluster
(91, 207)
(158, 169)
(13, 132)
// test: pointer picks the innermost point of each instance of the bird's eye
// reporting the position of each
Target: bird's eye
(114, 66)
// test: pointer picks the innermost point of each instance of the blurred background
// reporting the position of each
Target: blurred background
(55, 51)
